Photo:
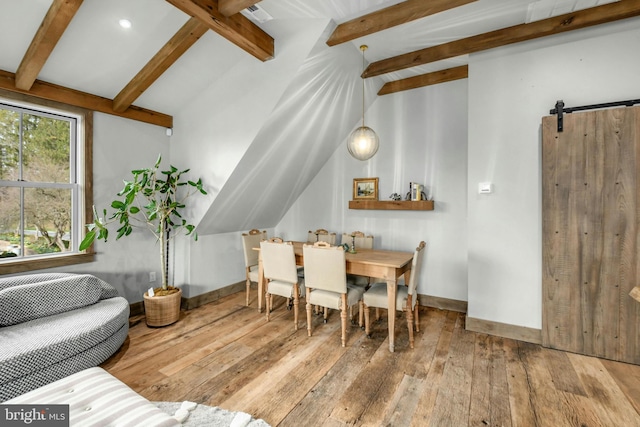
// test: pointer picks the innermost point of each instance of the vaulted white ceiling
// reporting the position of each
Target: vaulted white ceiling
(308, 114)
(95, 55)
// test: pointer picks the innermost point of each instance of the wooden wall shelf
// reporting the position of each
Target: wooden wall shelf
(407, 205)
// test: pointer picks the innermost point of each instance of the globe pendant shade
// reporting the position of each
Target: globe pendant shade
(363, 143)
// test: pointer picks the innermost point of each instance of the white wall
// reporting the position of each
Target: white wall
(510, 90)
(423, 138)
(483, 249)
(119, 146)
(213, 132)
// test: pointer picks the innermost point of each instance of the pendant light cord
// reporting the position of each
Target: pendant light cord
(363, 48)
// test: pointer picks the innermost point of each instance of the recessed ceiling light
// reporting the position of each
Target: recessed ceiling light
(125, 23)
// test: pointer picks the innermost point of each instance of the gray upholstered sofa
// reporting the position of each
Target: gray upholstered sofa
(56, 324)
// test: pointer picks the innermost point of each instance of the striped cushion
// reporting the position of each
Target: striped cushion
(96, 398)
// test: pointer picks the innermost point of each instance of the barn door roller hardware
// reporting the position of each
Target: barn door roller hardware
(559, 110)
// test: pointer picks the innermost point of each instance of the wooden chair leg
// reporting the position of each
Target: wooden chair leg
(360, 313)
(367, 320)
(410, 326)
(268, 304)
(248, 290)
(296, 303)
(410, 321)
(377, 314)
(326, 314)
(308, 296)
(416, 315)
(343, 316)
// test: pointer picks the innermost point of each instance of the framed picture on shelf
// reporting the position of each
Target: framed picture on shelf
(365, 189)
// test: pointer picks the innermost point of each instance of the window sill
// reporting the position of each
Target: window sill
(25, 265)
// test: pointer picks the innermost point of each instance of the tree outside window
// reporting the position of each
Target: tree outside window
(38, 182)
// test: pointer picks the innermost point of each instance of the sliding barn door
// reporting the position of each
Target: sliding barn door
(590, 224)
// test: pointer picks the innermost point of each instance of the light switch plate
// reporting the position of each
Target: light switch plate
(485, 188)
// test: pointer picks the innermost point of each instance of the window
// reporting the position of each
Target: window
(44, 182)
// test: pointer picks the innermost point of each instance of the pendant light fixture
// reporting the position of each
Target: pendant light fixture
(363, 142)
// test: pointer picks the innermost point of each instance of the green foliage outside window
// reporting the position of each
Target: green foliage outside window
(34, 150)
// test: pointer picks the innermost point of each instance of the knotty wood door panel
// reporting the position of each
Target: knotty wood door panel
(590, 232)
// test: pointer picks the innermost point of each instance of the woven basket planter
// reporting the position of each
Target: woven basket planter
(162, 310)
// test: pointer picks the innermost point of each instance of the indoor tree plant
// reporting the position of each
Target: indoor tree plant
(152, 200)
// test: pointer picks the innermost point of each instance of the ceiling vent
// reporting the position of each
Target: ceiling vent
(257, 13)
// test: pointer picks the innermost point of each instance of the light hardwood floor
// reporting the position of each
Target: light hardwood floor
(225, 354)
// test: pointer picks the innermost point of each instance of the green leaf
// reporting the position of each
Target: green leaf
(116, 204)
(158, 161)
(88, 240)
(103, 234)
(134, 210)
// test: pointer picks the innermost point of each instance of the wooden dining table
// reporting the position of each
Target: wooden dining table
(377, 263)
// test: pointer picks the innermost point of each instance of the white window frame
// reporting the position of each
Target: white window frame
(81, 158)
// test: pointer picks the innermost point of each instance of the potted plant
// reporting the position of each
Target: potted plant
(152, 200)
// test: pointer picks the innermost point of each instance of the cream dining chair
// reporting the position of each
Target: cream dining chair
(359, 238)
(280, 273)
(250, 241)
(321, 235)
(326, 282)
(406, 296)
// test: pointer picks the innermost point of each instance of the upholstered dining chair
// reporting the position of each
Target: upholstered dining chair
(280, 272)
(321, 235)
(406, 296)
(361, 241)
(326, 282)
(250, 241)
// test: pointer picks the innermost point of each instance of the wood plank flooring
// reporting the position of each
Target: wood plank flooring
(226, 354)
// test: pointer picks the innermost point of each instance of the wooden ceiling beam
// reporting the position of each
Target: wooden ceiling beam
(441, 76)
(388, 17)
(231, 7)
(238, 29)
(190, 33)
(51, 29)
(559, 24)
(52, 92)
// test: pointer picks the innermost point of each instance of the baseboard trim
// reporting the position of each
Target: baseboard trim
(137, 308)
(520, 333)
(211, 296)
(443, 303)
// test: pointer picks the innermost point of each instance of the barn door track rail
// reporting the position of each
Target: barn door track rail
(559, 110)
